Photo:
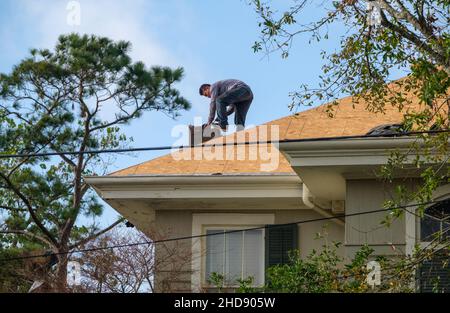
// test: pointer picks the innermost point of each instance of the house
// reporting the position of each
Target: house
(201, 190)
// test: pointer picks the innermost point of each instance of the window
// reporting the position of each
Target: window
(236, 255)
(436, 221)
(434, 273)
(214, 222)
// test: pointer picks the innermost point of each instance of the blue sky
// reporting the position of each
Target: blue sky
(210, 39)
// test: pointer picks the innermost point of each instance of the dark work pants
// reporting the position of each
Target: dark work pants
(241, 98)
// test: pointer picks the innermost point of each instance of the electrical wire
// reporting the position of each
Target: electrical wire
(160, 148)
(404, 207)
(28, 155)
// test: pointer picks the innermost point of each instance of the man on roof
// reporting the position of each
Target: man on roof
(227, 96)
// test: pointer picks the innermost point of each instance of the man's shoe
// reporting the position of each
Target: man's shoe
(222, 127)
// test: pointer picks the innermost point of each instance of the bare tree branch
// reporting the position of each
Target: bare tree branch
(92, 237)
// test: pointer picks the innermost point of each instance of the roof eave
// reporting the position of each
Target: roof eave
(335, 151)
(195, 179)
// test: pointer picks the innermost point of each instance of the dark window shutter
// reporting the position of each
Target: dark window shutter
(279, 241)
(435, 274)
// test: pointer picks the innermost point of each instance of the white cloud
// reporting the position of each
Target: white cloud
(136, 21)
(140, 22)
(119, 20)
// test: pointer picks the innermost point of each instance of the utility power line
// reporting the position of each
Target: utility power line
(404, 207)
(161, 148)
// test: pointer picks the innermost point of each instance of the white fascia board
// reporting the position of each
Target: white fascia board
(348, 152)
(189, 179)
(183, 187)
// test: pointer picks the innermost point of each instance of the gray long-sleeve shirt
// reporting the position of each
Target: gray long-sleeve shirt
(219, 88)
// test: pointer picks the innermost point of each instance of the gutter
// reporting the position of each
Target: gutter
(308, 200)
(191, 179)
(351, 144)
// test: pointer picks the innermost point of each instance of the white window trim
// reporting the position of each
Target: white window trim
(412, 222)
(200, 222)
